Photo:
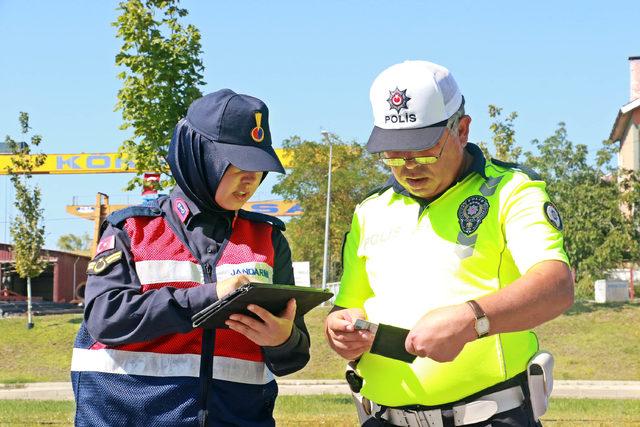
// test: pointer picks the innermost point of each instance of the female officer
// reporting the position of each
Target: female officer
(137, 359)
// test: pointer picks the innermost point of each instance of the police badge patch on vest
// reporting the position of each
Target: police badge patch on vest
(99, 265)
(553, 216)
(471, 213)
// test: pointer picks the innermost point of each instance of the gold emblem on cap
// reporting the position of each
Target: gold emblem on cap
(257, 133)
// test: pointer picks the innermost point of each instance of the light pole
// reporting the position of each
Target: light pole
(325, 262)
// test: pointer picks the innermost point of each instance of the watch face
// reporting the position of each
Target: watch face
(482, 326)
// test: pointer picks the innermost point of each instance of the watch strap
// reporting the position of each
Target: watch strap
(477, 310)
(479, 313)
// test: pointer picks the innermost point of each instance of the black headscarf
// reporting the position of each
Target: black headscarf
(196, 166)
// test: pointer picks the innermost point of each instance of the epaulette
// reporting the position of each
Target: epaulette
(118, 217)
(511, 165)
(260, 217)
(378, 190)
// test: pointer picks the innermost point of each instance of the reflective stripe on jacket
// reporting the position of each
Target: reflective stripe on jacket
(158, 379)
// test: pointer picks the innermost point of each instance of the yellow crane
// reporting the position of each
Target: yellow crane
(92, 163)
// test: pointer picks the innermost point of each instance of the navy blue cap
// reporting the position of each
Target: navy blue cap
(239, 126)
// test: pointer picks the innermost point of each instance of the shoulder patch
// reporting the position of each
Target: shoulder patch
(527, 170)
(181, 209)
(100, 264)
(553, 216)
(260, 217)
(105, 244)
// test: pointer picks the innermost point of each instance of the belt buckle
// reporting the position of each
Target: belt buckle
(431, 418)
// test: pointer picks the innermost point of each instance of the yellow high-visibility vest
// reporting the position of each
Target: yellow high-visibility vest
(401, 261)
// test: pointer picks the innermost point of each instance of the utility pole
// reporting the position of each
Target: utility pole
(325, 262)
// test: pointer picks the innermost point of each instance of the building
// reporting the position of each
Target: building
(62, 281)
(626, 128)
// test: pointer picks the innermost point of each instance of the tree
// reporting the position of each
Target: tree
(503, 139)
(596, 200)
(354, 174)
(596, 231)
(27, 230)
(161, 78)
(75, 243)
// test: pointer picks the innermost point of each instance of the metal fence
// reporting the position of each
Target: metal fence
(332, 287)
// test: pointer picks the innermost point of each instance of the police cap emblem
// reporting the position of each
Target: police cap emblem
(553, 216)
(398, 99)
(471, 213)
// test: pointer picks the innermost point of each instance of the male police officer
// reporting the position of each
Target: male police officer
(466, 253)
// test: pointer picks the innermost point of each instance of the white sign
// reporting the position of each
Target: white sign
(301, 273)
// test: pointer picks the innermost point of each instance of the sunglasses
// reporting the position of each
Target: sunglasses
(421, 160)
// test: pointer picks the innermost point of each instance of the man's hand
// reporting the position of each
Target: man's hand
(231, 284)
(269, 330)
(442, 333)
(342, 336)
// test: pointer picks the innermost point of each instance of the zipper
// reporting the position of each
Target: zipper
(208, 335)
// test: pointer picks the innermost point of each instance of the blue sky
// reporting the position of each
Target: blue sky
(313, 63)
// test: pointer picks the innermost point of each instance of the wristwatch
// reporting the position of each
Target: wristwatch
(482, 321)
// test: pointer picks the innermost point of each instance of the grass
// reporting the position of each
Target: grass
(338, 411)
(322, 410)
(41, 354)
(590, 342)
(36, 412)
(595, 342)
(324, 362)
(592, 412)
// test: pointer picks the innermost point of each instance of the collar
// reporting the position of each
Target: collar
(190, 210)
(478, 164)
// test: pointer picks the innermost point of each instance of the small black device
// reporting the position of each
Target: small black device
(364, 325)
(388, 341)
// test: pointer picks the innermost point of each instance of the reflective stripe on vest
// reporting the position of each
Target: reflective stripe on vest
(161, 260)
(167, 365)
(168, 271)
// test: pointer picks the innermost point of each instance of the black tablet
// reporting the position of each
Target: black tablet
(273, 298)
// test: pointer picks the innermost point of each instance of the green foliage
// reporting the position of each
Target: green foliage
(354, 174)
(27, 230)
(503, 136)
(584, 288)
(594, 198)
(162, 72)
(74, 243)
(598, 235)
